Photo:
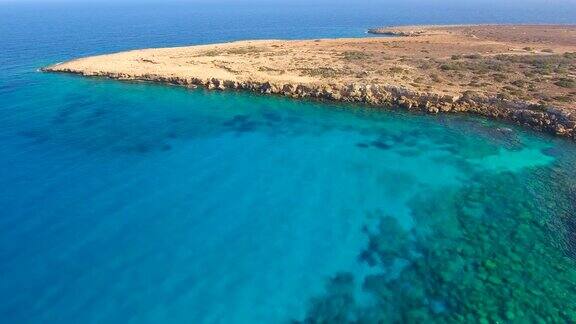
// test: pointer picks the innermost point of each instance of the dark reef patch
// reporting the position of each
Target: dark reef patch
(241, 124)
(466, 261)
(272, 117)
(380, 145)
(337, 307)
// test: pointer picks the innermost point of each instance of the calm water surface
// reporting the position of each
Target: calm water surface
(131, 202)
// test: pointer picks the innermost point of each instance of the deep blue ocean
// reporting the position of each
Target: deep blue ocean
(133, 202)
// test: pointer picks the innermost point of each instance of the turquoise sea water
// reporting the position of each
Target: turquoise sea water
(142, 203)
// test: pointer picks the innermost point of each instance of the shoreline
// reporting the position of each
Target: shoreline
(518, 113)
(256, 66)
(404, 30)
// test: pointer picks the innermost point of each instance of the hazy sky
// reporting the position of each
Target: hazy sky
(557, 5)
(355, 2)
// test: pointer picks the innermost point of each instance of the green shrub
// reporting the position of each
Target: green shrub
(355, 55)
(566, 83)
(450, 67)
(499, 77)
(475, 56)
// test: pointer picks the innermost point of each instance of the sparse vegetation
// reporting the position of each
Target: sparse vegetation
(425, 66)
(355, 55)
(223, 66)
(233, 51)
(435, 77)
(245, 50)
(566, 83)
(499, 77)
(269, 69)
(519, 83)
(475, 56)
(210, 53)
(148, 61)
(450, 67)
(323, 72)
(396, 70)
(566, 98)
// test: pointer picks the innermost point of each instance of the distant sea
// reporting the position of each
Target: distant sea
(131, 202)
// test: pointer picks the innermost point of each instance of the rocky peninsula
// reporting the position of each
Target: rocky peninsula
(525, 74)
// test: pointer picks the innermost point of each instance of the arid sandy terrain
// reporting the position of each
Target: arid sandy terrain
(524, 74)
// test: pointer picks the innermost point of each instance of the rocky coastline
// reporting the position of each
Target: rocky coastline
(523, 74)
(537, 117)
(395, 32)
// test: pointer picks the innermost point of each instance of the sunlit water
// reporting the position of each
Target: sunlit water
(152, 204)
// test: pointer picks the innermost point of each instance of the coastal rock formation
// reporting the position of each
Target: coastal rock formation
(532, 88)
(538, 117)
(397, 32)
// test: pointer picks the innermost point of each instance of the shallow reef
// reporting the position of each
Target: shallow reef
(499, 250)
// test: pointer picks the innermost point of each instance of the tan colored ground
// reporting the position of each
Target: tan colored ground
(535, 64)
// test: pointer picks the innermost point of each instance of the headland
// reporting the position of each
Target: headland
(524, 74)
